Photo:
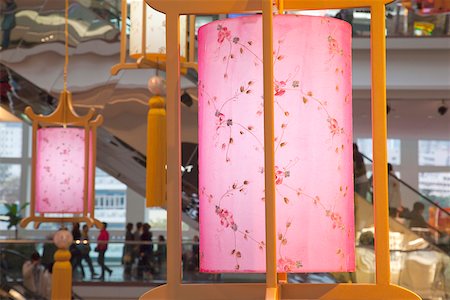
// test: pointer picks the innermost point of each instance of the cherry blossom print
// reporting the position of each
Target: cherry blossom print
(223, 33)
(60, 170)
(279, 88)
(334, 126)
(312, 145)
(288, 265)
(226, 218)
(279, 175)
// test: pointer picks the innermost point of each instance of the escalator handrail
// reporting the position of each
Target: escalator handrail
(414, 190)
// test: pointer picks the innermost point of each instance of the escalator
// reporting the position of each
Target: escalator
(420, 258)
(38, 39)
(11, 279)
(436, 233)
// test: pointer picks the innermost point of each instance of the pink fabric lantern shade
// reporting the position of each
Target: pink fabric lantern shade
(60, 170)
(313, 145)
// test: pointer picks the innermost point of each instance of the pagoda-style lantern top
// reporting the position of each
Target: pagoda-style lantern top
(63, 165)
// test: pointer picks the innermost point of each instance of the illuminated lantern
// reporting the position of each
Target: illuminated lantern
(313, 145)
(63, 165)
(148, 32)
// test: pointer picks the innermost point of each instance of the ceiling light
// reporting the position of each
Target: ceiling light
(442, 109)
(186, 99)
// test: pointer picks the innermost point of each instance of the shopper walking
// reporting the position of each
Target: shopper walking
(102, 246)
(85, 248)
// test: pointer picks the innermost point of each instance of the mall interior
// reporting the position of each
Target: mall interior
(32, 68)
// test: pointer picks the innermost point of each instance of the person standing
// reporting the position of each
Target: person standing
(196, 252)
(48, 253)
(5, 87)
(32, 271)
(75, 249)
(102, 246)
(416, 216)
(359, 172)
(137, 237)
(146, 252)
(395, 199)
(128, 251)
(160, 255)
(9, 8)
(86, 249)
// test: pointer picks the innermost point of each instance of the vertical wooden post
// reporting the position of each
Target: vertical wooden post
(269, 151)
(379, 135)
(123, 33)
(191, 57)
(173, 153)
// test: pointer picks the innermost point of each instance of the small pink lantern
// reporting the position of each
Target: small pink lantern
(63, 165)
(60, 169)
(313, 145)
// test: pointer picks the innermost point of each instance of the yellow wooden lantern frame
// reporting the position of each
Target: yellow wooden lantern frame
(274, 288)
(64, 116)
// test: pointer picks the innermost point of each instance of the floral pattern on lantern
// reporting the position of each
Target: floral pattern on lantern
(60, 170)
(313, 145)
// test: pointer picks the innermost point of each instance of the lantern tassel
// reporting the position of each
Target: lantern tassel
(156, 153)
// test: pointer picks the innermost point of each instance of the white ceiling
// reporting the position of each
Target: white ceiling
(411, 119)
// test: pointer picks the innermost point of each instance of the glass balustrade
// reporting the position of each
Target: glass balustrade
(415, 264)
(39, 22)
(432, 224)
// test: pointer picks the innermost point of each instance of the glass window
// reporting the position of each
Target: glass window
(393, 148)
(434, 153)
(11, 139)
(436, 186)
(108, 189)
(9, 188)
(203, 20)
(9, 183)
(157, 218)
(396, 173)
(29, 133)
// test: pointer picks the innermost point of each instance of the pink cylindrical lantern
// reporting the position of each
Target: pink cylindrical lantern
(60, 170)
(313, 145)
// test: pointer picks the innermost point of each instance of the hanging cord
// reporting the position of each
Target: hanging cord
(66, 44)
